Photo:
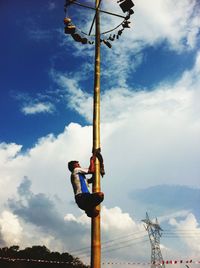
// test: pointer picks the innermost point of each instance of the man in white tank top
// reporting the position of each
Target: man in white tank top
(85, 200)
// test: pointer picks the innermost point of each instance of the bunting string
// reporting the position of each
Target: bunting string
(35, 260)
(104, 263)
(156, 263)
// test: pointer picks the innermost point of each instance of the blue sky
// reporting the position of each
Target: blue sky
(150, 125)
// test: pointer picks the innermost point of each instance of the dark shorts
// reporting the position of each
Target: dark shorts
(87, 201)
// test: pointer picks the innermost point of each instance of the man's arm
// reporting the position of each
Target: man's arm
(91, 180)
(97, 153)
(91, 168)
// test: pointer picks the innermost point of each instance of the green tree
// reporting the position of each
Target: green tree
(31, 258)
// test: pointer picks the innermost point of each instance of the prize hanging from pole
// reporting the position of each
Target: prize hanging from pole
(83, 31)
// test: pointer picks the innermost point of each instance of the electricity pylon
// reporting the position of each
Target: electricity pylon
(154, 232)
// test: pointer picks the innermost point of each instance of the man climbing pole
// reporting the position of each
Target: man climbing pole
(85, 200)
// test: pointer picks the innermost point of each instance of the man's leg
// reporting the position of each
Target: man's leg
(92, 212)
(96, 198)
(82, 200)
(93, 200)
(88, 202)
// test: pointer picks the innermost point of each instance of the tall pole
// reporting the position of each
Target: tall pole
(95, 222)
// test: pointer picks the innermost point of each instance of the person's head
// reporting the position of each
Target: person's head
(72, 165)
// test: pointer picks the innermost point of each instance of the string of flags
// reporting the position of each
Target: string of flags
(155, 263)
(104, 263)
(33, 260)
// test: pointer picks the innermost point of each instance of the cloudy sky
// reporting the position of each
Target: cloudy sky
(150, 128)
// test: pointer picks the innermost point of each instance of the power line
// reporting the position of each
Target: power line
(130, 244)
(182, 236)
(181, 233)
(185, 233)
(116, 246)
(109, 241)
(113, 246)
(181, 230)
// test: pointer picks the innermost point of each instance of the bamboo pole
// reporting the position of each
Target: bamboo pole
(95, 222)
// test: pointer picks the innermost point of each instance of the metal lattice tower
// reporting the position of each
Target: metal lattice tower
(154, 231)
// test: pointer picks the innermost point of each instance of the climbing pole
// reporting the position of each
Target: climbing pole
(96, 187)
(97, 38)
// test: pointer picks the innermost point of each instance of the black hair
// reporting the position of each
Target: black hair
(71, 165)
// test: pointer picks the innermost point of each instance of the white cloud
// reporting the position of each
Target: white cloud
(114, 219)
(35, 108)
(45, 163)
(161, 20)
(8, 151)
(76, 98)
(188, 230)
(175, 22)
(14, 231)
(10, 164)
(10, 228)
(158, 130)
(178, 214)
